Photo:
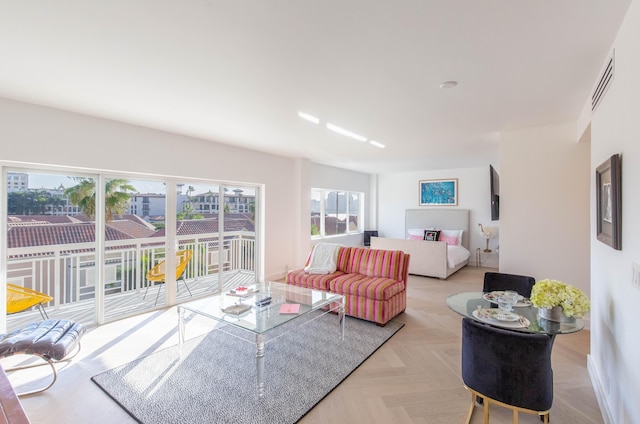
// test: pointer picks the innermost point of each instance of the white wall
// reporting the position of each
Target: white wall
(544, 204)
(42, 135)
(615, 338)
(399, 191)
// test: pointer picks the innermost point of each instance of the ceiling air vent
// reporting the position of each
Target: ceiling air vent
(603, 83)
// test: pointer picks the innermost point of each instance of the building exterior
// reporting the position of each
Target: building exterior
(17, 181)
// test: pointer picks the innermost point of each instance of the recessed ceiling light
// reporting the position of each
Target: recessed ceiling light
(377, 144)
(309, 118)
(448, 84)
(347, 133)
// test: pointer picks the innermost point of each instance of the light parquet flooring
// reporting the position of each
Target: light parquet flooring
(413, 379)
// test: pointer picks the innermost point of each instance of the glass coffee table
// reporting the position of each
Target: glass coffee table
(288, 304)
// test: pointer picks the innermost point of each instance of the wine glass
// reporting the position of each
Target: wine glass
(506, 302)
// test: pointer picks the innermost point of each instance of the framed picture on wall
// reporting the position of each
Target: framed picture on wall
(438, 192)
(609, 202)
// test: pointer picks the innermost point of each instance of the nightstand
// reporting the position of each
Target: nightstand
(487, 259)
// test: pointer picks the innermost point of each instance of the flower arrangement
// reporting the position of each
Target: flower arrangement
(549, 293)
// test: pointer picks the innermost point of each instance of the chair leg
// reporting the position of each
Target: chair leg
(486, 411)
(43, 313)
(48, 361)
(471, 407)
(145, 291)
(185, 284)
(515, 416)
(157, 297)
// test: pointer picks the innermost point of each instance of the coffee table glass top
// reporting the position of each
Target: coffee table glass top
(260, 319)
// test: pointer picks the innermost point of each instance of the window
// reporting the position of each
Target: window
(335, 212)
(100, 277)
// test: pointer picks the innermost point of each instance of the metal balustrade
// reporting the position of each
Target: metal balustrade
(68, 271)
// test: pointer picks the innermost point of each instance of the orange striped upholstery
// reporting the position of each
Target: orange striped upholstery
(376, 263)
(378, 288)
(311, 281)
(373, 282)
(378, 311)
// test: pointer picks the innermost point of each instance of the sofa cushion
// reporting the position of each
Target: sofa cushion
(301, 278)
(378, 288)
(376, 263)
(344, 258)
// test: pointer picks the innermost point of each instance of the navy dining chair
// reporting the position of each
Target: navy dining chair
(507, 368)
(494, 281)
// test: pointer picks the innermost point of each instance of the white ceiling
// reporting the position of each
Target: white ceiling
(237, 71)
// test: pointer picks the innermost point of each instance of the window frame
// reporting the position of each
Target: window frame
(321, 195)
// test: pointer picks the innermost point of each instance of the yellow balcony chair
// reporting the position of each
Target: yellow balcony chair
(156, 275)
(20, 299)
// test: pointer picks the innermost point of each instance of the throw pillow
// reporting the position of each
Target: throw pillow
(451, 241)
(432, 235)
(454, 233)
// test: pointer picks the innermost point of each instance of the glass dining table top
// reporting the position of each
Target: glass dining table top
(475, 306)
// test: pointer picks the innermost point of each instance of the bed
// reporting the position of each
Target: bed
(437, 259)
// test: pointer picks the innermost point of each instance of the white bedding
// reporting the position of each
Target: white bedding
(456, 255)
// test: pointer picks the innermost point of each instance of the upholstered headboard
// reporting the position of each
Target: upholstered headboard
(444, 219)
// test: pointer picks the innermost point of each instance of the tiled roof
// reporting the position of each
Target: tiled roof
(331, 222)
(232, 222)
(44, 235)
(49, 219)
(41, 233)
(135, 227)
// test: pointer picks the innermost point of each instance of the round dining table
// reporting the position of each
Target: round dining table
(476, 305)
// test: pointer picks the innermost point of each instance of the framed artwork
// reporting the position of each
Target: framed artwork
(438, 192)
(609, 202)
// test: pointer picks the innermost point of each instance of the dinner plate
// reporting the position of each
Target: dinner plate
(520, 322)
(494, 295)
(498, 315)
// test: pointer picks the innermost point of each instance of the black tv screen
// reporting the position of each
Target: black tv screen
(495, 194)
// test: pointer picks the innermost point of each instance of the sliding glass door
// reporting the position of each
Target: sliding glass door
(50, 244)
(99, 245)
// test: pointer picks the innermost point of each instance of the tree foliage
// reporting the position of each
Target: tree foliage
(117, 196)
(31, 202)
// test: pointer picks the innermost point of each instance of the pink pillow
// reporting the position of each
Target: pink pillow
(451, 240)
(414, 237)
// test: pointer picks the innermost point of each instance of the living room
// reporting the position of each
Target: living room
(547, 223)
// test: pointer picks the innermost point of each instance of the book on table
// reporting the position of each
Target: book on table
(290, 308)
(241, 291)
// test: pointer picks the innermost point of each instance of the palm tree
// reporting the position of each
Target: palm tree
(83, 195)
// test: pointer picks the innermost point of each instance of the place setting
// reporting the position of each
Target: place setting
(494, 296)
(503, 315)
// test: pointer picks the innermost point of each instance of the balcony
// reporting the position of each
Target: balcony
(68, 273)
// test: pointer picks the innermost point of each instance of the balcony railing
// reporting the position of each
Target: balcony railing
(68, 271)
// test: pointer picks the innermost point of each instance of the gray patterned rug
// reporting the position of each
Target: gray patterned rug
(214, 380)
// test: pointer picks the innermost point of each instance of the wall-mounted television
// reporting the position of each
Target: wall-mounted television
(494, 179)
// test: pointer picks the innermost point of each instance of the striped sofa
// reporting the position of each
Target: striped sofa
(374, 282)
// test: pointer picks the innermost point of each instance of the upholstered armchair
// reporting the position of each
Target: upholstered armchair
(500, 281)
(507, 368)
